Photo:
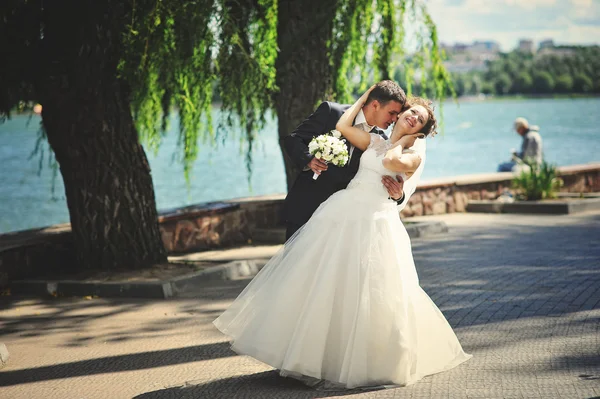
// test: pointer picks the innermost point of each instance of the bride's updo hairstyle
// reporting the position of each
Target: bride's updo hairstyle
(429, 129)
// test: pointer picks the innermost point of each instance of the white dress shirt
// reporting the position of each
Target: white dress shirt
(361, 123)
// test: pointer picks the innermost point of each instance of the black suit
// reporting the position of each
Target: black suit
(307, 194)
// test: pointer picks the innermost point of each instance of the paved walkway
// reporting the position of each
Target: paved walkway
(522, 292)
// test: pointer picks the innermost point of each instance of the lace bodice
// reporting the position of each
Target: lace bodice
(371, 168)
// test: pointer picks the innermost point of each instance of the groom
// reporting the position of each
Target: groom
(386, 101)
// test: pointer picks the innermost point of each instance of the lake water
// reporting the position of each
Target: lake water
(477, 136)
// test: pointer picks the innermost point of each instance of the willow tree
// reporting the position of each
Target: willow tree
(108, 74)
(330, 49)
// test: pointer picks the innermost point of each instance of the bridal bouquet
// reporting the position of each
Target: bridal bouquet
(329, 147)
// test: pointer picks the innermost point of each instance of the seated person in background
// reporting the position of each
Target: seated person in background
(531, 148)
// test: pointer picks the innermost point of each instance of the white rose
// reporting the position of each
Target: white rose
(336, 134)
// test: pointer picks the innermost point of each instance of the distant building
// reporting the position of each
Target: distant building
(454, 48)
(526, 45)
(560, 51)
(470, 57)
(485, 47)
(463, 57)
(548, 43)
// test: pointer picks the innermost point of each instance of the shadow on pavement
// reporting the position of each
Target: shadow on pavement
(499, 287)
(268, 384)
(40, 317)
(112, 364)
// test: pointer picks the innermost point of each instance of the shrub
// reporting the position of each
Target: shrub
(537, 182)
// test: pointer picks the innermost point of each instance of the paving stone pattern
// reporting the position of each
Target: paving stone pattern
(522, 292)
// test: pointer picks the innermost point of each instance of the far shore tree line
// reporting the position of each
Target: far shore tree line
(519, 73)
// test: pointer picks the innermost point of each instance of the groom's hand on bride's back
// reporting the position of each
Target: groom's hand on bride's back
(395, 187)
(317, 165)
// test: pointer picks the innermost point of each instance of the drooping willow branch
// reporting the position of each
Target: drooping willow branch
(182, 56)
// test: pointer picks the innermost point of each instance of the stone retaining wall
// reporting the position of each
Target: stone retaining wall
(451, 195)
(30, 253)
(202, 227)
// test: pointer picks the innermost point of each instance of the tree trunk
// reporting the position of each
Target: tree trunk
(303, 72)
(88, 121)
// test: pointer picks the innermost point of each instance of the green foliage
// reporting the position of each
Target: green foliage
(543, 83)
(522, 83)
(568, 70)
(176, 51)
(439, 76)
(349, 47)
(366, 27)
(487, 88)
(564, 84)
(182, 56)
(502, 83)
(462, 85)
(582, 83)
(538, 182)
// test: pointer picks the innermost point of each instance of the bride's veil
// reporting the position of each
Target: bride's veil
(410, 185)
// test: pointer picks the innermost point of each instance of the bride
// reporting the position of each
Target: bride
(340, 306)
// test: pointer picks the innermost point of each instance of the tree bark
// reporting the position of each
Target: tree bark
(88, 121)
(304, 31)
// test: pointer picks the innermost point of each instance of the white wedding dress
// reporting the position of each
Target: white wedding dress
(340, 306)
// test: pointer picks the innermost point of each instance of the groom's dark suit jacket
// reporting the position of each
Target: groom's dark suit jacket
(307, 194)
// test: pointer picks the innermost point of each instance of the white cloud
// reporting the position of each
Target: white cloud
(582, 3)
(492, 6)
(529, 4)
(586, 9)
(465, 6)
(508, 21)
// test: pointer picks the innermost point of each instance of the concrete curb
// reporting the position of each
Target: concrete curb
(4, 355)
(151, 290)
(174, 287)
(423, 229)
(62, 288)
(535, 207)
(229, 271)
(414, 230)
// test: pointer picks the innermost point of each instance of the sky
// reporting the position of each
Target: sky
(567, 22)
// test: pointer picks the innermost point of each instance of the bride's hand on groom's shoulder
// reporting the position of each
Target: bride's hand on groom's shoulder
(365, 95)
